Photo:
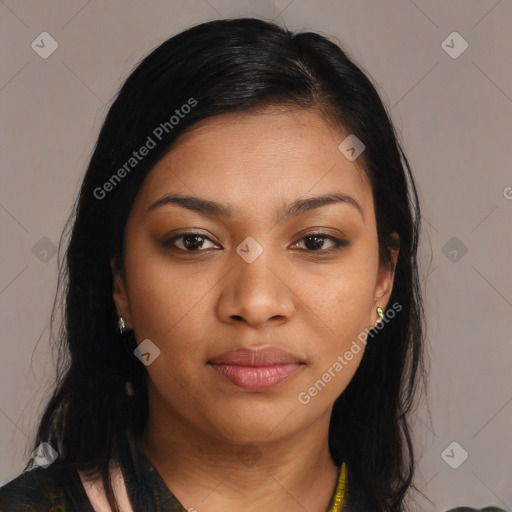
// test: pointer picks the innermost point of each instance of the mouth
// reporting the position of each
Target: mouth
(256, 369)
(256, 378)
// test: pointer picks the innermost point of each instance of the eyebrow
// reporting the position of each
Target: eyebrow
(211, 208)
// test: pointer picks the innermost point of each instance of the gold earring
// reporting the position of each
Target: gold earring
(381, 315)
(121, 324)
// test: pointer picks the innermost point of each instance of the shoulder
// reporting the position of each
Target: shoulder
(57, 487)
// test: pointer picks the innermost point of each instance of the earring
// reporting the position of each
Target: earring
(121, 324)
(381, 315)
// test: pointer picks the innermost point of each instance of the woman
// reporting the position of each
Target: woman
(243, 317)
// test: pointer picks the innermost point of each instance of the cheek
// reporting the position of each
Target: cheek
(343, 297)
(341, 305)
(339, 347)
(165, 300)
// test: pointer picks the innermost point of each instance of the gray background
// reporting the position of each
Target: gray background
(454, 117)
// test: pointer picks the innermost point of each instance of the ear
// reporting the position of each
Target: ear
(385, 279)
(119, 294)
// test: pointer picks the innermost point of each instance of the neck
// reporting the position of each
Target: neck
(210, 472)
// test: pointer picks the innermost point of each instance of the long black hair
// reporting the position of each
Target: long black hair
(214, 68)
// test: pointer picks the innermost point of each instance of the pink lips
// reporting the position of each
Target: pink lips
(256, 370)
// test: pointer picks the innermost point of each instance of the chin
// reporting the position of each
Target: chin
(254, 428)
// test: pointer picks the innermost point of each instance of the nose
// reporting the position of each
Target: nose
(256, 293)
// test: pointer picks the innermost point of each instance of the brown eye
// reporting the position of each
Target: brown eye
(315, 242)
(190, 242)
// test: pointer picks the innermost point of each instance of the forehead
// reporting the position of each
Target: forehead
(254, 160)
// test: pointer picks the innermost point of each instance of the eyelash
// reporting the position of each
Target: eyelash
(338, 243)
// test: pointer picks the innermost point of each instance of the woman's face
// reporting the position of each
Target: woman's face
(251, 276)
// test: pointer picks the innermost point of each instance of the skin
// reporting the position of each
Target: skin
(195, 305)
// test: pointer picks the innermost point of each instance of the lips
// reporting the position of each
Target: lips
(256, 357)
(256, 369)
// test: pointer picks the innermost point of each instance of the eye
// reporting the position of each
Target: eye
(189, 242)
(197, 242)
(315, 242)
